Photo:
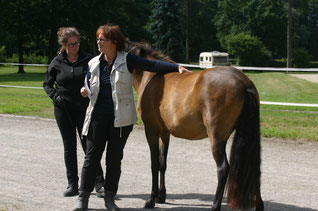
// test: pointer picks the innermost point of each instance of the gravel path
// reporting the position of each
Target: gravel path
(309, 77)
(32, 175)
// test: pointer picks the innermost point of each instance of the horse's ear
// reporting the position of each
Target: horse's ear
(137, 49)
(129, 45)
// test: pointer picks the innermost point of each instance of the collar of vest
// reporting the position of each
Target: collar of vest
(120, 59)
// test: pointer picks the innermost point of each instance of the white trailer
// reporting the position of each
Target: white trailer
(213, 58)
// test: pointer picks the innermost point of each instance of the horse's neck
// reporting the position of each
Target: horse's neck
(141, 79)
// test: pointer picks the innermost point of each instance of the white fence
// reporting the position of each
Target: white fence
(273, 69)
(18, 64)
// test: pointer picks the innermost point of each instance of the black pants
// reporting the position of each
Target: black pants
(69, 120)
(102, 131)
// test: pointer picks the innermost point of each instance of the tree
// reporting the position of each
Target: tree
(265, 19)
(248, 49)
(305, 26)
(15, 21)
(289, 26)
(165, 27)
(201, 29)
(312, 16)
(23, 22)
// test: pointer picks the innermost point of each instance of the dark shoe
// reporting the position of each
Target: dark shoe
(100, 192)
(71, 191)
(110, 202)
(82, 201)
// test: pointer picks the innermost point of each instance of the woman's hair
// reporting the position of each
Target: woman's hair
(113, 33)
(63, 34)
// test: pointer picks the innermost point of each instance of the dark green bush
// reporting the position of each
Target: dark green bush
(249, 50)
(2, 54)
(301, 58)
(30, 59)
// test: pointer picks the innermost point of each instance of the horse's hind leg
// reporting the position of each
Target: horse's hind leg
(153, 142)
(259, 202)
(164, 146)
(219, 154)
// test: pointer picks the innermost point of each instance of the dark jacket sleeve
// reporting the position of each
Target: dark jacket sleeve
(49, 82)
(134, 61)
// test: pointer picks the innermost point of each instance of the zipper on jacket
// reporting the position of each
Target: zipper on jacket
(79, 61)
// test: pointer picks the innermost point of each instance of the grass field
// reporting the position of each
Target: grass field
(276, 121)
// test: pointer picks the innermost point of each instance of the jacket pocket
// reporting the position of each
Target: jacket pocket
(126, 109)
(123, 80)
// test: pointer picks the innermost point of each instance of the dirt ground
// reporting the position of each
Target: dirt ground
(32, 175)
(309, 77)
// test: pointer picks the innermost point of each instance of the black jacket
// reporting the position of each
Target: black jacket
(63, 81)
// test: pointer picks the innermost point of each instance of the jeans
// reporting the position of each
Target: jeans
(69, 120)
(101, 133)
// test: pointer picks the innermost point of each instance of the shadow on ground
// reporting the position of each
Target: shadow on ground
(269, 206)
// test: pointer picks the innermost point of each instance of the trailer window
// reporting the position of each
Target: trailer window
(220, 59)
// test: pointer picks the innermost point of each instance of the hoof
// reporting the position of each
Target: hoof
(149, 204)
(161, 200)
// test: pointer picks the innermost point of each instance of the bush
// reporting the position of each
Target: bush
(30, 59)
(248, 49)
(301, 58)
(3, 54)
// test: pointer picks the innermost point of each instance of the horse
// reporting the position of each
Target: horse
(209, 103)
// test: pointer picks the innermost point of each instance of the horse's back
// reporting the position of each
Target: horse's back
(190, 104)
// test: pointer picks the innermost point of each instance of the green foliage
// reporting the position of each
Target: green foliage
(31, 25)
(2, 54)
(165, 27)
(202, 32)
(301, 58)
(29, 59)
(265, 19)
(248, 49)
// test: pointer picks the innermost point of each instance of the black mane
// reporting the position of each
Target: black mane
(145, 49)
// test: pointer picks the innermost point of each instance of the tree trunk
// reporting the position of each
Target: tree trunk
(53, 29)
(289, 25)
(187, 32)
(20, 45)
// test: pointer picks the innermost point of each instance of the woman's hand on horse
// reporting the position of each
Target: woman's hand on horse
(183, 69)
(84, 92)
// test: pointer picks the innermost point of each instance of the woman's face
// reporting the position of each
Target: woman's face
(72, 46)
(105, 45)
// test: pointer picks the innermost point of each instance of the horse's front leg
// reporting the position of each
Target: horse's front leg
(164, 146)
(153, 142)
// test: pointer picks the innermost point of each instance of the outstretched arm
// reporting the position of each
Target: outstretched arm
(183, 69)
(141, 63)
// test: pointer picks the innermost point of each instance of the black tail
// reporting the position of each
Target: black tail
(245, 160)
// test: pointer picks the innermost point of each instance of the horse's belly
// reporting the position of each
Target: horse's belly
(189, 131)
(192, 136)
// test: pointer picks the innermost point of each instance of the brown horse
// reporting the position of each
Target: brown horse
(210, 103)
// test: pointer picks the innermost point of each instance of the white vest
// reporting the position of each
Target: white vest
(122, 92)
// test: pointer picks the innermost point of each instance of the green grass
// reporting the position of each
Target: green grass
(276, 121)
(29, 102)
(281, 87)
(289, 122)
